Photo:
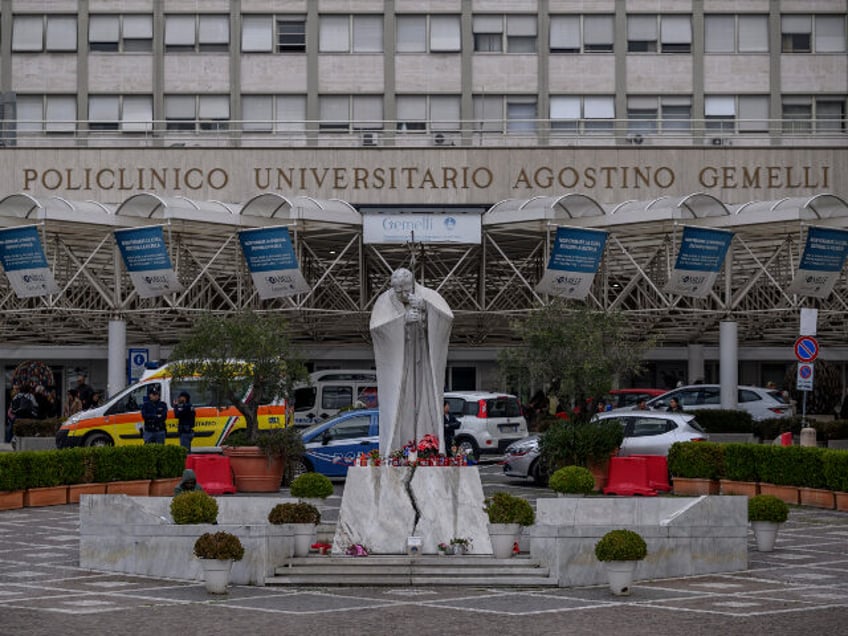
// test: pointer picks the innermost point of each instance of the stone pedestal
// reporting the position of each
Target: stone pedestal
(379, 507)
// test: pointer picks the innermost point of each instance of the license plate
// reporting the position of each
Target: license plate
(508, 428)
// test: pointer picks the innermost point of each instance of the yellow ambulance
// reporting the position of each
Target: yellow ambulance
(118, 422)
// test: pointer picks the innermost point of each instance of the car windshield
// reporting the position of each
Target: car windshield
(777, 395)
(694, 424)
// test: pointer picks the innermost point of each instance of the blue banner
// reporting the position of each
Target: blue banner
(145, 256)
(701, 256)
(574, 261)
(822, 262)
(24, 262)
(272, 262)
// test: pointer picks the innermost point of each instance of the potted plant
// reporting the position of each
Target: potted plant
(766, 513)
(247, 358)
(311, 486)
(303, 517)
(460, 545)
(572, 480)
(582, 443)
(216, 552)
(194, 507)
(507, 514)
(620, 551)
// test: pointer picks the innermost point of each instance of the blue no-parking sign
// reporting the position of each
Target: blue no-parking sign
(805, 376)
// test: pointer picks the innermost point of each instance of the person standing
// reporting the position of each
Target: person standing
(184, 412)
(84, 392)
(154, 412)
(451, 424)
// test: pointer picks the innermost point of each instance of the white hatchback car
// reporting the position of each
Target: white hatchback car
(489, 422)
(761, 403)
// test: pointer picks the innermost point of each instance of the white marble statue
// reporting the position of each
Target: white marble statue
(410, 328)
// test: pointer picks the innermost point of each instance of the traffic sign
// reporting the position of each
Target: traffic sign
(805, 376)
(806, 349)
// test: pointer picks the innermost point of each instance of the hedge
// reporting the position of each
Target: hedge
(740, 462)
(698, 460)
(835, 465)
(37, 469)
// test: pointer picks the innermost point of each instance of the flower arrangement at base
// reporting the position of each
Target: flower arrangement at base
(374, 457)
(428, 446)
(443, 548)
(357, 549)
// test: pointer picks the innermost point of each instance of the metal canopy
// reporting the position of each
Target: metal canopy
(487, 285)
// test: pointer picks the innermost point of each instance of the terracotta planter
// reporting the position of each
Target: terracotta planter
(253, 471)
(695, 486)
(841, 501)
(817, 498)
(163, 487)
(75, 490)
(789, 494)
(747, 488)
(50, 496)
(11, 499)
(134, 488)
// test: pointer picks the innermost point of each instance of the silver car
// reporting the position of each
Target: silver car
(645, 433)
(760, 402)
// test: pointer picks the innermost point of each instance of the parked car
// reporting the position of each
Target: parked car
(645, 433)
(621, 398)
(489, 422)
(761, 403)
(332, 446)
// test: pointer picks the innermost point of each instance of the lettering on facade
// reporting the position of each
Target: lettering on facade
(338, 180)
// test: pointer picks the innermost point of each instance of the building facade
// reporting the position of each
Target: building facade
(636, 116)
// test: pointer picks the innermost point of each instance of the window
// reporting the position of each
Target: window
(641, 34)
(488, 31)
(830, 115)
(137, 113)
(266, 34)
(411, 113)
(648, 115)
(444, 113)
(642, 115)
(676, 33)
(753, 113)
(445, 34)
(598, 34)
(103, 112)
(796, 33)
(720, 114)
(113, 33)
(520, 114)
(197, 33)
(60, 114)
(797, 114)
(650, 426)
(719, 34)
(564, 36)
(357, 33)
(36, 33)
(830, 33)
(357, 427)
(338, 112)
(291, 35)
(411, 33)
(595, 113)
(197, 112)
(30, 114)
(676, 114)
(337, 397)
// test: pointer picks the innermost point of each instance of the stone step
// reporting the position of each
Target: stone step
(402, 570)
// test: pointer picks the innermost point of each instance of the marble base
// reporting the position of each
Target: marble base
(378, 513)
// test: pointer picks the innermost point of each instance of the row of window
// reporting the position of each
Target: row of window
(422, 113)
(591, 33)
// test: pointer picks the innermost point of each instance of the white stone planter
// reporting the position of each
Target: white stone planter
(620, 574)
(503, 537)
(304, 537)
(216, 574)
(765, 533)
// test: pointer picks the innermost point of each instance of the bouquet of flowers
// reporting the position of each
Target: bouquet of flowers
(428, 446)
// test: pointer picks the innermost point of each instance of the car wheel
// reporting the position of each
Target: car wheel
(468, 446)
(538, 474)
(99, 439)
(299, 467)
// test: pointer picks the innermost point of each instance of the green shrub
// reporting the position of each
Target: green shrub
(140, 461)
(724, 420)
(170, 460)
(790, 466)
(772, 427)
(835, 470)
(574, 480)
(13, 472)
(503, 507)
(696, 460)
(621, 545)
(194, 507)
(580, 443)
(219, 546)
(42, 468)
(809, 466)
(835, 429)
(71, 465)
(740, 462)
(767, 508)
(312, 485)
(300, 512)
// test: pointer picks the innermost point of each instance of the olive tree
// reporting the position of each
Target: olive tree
(574, 351)
(242, 351)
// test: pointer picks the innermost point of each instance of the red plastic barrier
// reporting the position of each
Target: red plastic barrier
(657, 471)
(629, 476)
(213, 473)
(786, 438)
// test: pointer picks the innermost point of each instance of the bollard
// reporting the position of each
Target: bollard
(808, 436)
(786, 438)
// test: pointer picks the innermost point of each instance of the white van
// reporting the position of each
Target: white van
(329, 392)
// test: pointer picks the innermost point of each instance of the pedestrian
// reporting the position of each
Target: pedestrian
(154, 412)
(72, 403)
(450, 425)
(184, 412)
(188, 483)
(84, 392)
(674, 406)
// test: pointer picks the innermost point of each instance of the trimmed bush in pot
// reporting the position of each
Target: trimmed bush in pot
(304, 517)
(620, 550)
(572, 480)
(766, 513)
(216, 552)
(311, 486)
(194, 507)
(507, 513)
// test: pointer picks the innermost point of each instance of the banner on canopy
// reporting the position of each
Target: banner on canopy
(574, 262)
(701, 256)
(822, 262)
(146, 258)
(23, 260)
(272, 263)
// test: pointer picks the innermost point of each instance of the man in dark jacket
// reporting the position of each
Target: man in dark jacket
(184, 412)
(188, 483)
(154, 412)
(450, 426)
